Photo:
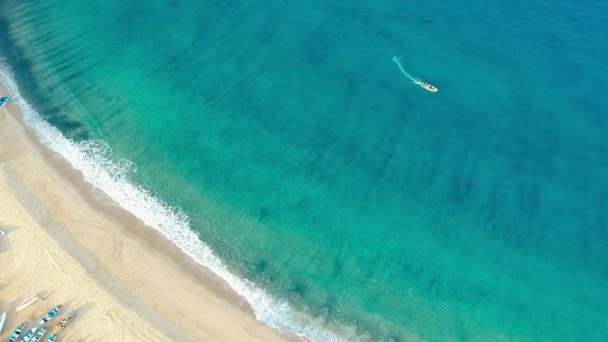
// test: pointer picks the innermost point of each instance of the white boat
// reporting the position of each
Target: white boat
(2, 232)
(51, 338)
(27, 302)
(28, 335)
(17, 332)
(39, 334)
(50, 315)
(428, 86)
(2, 321)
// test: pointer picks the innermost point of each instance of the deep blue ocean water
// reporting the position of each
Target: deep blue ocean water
(311, 166)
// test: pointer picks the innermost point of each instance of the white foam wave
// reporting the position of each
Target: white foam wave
(111, 175)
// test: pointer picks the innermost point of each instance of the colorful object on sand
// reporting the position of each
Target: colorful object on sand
(4, 100)
(50, 315)
(17, 332)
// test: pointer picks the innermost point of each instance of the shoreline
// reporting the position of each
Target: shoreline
(129, 269)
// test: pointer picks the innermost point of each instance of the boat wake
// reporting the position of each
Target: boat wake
(112, 175)
(397, 61)
(425, 85)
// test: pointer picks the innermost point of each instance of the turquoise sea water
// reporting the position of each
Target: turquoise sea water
(312, 167)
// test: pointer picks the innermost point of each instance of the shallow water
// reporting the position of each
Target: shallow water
(309, 163)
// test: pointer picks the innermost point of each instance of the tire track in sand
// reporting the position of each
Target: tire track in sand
(110, 246)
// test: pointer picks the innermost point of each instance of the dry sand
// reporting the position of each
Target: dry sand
(72, 245)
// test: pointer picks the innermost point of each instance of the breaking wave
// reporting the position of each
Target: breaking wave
(110, 174)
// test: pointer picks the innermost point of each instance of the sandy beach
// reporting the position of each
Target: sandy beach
(70, 244)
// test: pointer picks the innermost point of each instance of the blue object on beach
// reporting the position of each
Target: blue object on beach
(17, 332)
(4, 100)
(28, 336)
(50, 315)
(38, 336)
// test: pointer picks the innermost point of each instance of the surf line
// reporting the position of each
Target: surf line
(424, 85)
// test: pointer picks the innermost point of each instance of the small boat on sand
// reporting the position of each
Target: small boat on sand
(64, 322)
(51, 338)
(28, 335)
(17, 332)
(2, 321)
(39, 335)
(2, 232)
(4, 100)
(50, 315)
(27, 302)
